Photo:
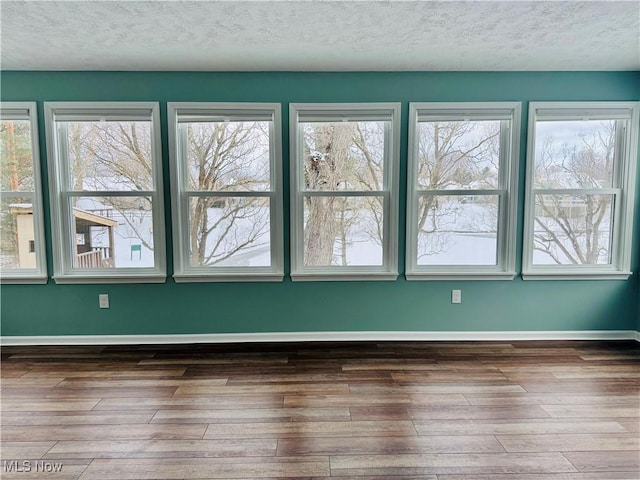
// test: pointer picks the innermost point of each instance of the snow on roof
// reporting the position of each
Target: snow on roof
(93, 217)
(77, 212)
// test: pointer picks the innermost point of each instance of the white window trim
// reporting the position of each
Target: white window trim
(624, 180)
(508, 218)
(183, 272)
(64, 273)
(38, 275)
(389, 269)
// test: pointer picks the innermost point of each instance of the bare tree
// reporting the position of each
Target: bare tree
(16, 174)
(114, 156)
(369, 140)
(15, 155)
(452, 155)
(326, 154)
(342, 157)
(575, 228)
(226, 157)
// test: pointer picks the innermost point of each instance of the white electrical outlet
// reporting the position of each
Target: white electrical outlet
(103, 300)
(456, 296)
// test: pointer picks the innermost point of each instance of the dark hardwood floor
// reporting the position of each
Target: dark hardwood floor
(429, 411)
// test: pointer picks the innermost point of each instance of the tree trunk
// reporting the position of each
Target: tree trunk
(11, 154)
(325, 170)
(320, 232)
(198, 231)
(343, 234)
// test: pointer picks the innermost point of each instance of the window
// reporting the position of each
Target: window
(226, 178)
(106, 192)
(581, 167)
(462, 202)
(344, 160)
(22, 251)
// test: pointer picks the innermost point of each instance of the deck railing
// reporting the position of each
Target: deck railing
(91, 259)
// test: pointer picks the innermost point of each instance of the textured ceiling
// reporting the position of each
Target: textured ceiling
(319, 35)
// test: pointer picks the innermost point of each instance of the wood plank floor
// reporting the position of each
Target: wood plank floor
(429, 411)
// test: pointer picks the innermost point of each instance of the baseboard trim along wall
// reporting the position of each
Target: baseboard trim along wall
(318, 337)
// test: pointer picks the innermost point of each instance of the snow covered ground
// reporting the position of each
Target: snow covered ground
(131, 235)
(464, 249)
(454, 248)
(125, 238)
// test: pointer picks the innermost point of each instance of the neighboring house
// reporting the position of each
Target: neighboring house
(94, 239)
(25, 235)
(93, 234)
(564, 206)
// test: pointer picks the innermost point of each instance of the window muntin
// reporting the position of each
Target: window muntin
(226, 167)
(106, 192)
(581, 166)
(22, 250)
(344, 191)
(461, 195)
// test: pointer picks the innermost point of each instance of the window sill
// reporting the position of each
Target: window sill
(576, 275)
(24, 280)
(91, 279)
(344, 277)
(232, 277)
(460, 276)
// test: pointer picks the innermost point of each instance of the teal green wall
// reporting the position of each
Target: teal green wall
(235, 307)
(638, 310)
(638, 303)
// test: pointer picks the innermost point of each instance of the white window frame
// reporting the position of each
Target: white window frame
(337, 112)
(183, 271)
(623, 189)
(509, 113)
(28, 111)
(61, 194)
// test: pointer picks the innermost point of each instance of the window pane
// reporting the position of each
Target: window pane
(109, 155)
(229, 231)
(574, 154)
(343, 155)
(227, 156)
(458, 155)
(457, 229)
(110, 232)
(16, 157)
(17, 232)
(343, 231)
(573, 229)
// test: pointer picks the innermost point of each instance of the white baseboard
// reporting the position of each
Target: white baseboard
(318, 337)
